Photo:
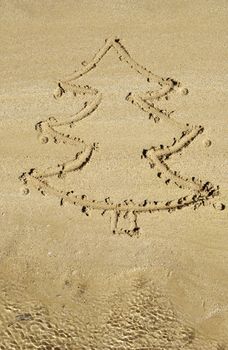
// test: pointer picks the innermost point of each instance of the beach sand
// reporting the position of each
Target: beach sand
(113, 208)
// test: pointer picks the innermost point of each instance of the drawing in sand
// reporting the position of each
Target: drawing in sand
(197, 192)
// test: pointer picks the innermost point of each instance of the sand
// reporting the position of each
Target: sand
(113, 209)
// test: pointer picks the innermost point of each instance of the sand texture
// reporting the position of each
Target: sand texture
(113, 209)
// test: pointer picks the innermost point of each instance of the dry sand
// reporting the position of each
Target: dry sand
(138, 133)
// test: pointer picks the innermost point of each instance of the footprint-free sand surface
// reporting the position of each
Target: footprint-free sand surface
(113, 208)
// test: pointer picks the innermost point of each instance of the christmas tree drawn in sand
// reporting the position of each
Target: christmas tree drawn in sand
(197, 192)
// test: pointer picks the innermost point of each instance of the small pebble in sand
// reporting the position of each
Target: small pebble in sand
(219, 206)
(44, 139)
(52, 119)
(207, 143)
(24, 191)
(184, 91)
(58, 92)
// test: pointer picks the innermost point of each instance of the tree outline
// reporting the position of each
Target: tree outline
(200, 192)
